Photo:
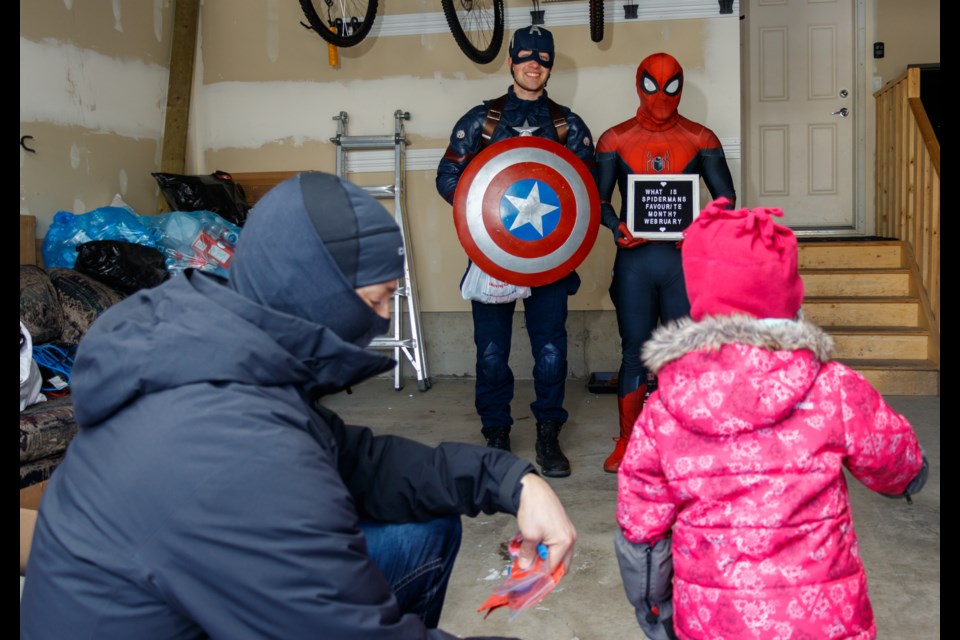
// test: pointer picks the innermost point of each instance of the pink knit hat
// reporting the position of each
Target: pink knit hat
(741, 261)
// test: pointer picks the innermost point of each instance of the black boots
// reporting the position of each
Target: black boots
(553, 463)
(497, 437)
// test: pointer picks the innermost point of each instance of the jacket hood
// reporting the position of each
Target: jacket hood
(282, 263)
(731, 374)
(194, 330)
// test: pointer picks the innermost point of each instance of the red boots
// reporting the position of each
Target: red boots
(630, 406)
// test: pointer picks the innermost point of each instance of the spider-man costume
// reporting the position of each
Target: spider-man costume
(648, 282)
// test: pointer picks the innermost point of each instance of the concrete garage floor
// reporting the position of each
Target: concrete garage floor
(900, 543)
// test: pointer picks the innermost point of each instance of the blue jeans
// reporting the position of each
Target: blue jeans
(545, 312)
(416, 558)
(647, 289)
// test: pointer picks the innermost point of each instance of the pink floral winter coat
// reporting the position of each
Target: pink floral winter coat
(738, 457)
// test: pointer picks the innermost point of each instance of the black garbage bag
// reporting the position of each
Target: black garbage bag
(216, 192)
(124, 266)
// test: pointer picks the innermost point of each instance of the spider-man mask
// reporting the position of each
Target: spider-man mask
(659, 84)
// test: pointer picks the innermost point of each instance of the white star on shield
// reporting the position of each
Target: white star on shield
(530, 209)
(526, 129)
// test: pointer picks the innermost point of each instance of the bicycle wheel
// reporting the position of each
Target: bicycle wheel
(596, 20)
(477, 26)
(351, 19)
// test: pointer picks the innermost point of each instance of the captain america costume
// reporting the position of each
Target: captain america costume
(648, 285)
(546, 308)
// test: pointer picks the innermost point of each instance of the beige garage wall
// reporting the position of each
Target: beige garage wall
(265, 96)
(93, 84)
(910, 32)
(93, 80)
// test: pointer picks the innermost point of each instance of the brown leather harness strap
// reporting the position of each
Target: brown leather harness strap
(495, 112)
(559, 121)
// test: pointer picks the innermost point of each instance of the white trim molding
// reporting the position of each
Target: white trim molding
(428, 159)
(731, 148)
(557, 15)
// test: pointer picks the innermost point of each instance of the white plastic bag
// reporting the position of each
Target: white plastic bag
(30, 381)
(482, 287)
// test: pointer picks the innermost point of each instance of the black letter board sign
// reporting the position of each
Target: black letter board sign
(661, 206)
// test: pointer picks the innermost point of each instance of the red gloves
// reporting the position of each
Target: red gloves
(625, 239)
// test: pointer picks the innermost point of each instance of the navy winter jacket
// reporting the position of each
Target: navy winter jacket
(206, 494)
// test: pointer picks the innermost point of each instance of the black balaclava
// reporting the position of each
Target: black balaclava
(308, 244)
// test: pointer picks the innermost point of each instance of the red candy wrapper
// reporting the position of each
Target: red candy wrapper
(523, 588)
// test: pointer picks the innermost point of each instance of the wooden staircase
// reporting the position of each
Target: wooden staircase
(867, 298)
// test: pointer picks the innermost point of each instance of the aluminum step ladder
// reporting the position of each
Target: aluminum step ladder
(406, 305)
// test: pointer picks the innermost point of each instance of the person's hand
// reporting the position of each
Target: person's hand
(625, 239)
(542, 519)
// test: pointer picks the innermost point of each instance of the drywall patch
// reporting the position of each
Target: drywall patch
(123, 182)
(117, 22)
(273, 31)
(79, 206)
(251, 114)
(74, 156)
(67, 85)
(158, 19)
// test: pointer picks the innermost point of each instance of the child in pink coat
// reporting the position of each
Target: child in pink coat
(733, 508)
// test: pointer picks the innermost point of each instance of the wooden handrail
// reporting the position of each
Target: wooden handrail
(908, 188)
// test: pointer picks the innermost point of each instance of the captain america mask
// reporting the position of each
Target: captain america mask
(534, 43)
(659, 84)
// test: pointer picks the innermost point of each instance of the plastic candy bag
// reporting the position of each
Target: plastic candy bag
(194, 240)
(482, 287)
(523, 588)
(68, 231)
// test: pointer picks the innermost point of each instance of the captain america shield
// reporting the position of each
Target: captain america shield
(527, 211)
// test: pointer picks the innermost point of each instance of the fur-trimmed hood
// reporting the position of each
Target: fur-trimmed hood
(729, 374)
(675, 340)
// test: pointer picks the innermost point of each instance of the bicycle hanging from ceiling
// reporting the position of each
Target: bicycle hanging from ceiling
(476, 25)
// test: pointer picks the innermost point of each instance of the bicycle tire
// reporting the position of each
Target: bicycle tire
(596, 20)
(353, 19)
(477, 27)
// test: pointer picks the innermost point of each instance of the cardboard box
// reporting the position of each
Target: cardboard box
(30, 497)
(29, 503)
(28, 520)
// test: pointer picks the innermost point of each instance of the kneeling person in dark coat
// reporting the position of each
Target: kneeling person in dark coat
(208, 493)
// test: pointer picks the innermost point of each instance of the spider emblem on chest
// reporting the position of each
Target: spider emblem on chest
(656, 164)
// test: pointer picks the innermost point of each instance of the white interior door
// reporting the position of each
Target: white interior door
(801, 117)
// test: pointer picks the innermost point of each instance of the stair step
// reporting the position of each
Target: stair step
(881, 343)
(861, 293)
(850, 255)
(856, 282)
(899, 377)
(862, 312)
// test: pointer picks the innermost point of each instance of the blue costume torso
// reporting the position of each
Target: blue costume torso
(532, 116)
